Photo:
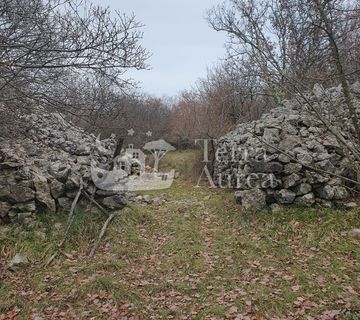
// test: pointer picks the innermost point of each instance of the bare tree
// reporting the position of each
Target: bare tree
(44, 43)
(290, 45)
(248, 24)
(101, 109)
(328, 24)
(279, 42)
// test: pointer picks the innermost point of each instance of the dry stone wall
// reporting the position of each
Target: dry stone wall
(37, 172)
(288, 156)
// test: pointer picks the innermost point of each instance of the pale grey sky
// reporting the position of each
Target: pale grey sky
(179, 38)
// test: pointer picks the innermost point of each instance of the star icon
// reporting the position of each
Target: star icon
(149, 133)
(131, 132)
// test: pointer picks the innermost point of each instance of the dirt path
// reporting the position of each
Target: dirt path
(195, 257)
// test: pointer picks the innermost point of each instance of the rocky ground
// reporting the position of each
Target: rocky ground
(196, 255)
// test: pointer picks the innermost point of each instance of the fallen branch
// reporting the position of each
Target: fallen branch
(95, 203)
(92, 200)
(51, 258)
(110, 217)
(92, 197)
(103, 230)
(71, 214)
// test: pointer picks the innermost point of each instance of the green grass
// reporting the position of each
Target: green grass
(195, 257)
(182, 161)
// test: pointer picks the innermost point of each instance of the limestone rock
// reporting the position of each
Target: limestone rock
(16, 193)
(64, 204)
(316, 178)
(325, 165)
(83, 149)
(304, 158)
(302, 189)
(306, 200)
(62, 174)
(267, 167)
(24, 207)
(54, 150)
(19, 261)
(284, 158)
(324, 203)
(72, 182)
(289, 142)
(292, 168)
(329, 192)
(251, 199)
(285, 196)
(4, 209)
(350, 205)
(291, 180)
(326, 192)
(158, 200)
(57, 189)
(355, 233)
(83, 160)
(115, 202)
(42, 193)
(340, 193)
(271, 135)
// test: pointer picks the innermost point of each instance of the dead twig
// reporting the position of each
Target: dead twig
(71, 214)
(110, 217)
(92, 197)
(103, 230)
(69, 223)
(51, 259)
(92, 200)
(95, 203)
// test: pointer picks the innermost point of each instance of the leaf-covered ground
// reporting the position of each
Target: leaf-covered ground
(198, 256)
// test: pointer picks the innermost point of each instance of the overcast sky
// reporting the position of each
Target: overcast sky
(179, 38)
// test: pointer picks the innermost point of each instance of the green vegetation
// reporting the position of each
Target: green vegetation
(181, 160)
(198, 256)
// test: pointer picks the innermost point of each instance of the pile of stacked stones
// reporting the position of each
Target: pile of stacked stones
(41, 171)
(289, 156)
